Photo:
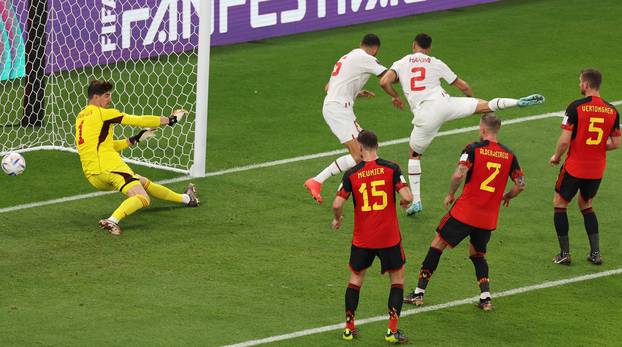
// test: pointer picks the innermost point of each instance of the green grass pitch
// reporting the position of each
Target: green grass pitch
(259, 259)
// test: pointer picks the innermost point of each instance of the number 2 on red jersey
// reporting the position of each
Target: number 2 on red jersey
(419, 75)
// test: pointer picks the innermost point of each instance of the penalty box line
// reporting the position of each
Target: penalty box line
(276, 162)
(471, 300)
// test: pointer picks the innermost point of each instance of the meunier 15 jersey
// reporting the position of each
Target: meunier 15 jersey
(350, 74)
(420, 77)
(373, 186)
(592, 121)
(490, 165)
(94, 137)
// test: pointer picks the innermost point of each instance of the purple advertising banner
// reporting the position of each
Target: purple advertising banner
(86, 33)
(246, 20)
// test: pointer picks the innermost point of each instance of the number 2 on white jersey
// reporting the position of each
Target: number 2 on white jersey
(338, 67)
(419, 75)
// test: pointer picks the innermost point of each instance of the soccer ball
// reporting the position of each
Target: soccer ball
(13, 164)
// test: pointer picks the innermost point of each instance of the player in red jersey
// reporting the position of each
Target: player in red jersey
(486, 165)
(372, 184)
(590, 129)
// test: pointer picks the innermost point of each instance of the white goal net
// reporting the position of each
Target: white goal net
(151, 50)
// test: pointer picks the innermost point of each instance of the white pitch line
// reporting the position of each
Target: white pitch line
(411, 312)
(278, 162)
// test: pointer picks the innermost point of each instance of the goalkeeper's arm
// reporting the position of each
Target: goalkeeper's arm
(114, 116)
(153, 121)
(143, 135)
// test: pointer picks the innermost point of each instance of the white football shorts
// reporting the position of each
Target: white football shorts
(430, 116)
(341, 121)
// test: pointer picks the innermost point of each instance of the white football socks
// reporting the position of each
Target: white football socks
(114, 220)
(342, 164)
(419, 290)
(414, 178)
(502, 103)
(485, 295)
(185, 199)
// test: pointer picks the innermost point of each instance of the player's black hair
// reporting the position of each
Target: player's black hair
(593, 77)
(98, 87)
(368, 139)
(423, 40)
(492, 122)
(371, 40)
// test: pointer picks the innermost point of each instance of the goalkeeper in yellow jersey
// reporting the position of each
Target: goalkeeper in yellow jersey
(102, 164)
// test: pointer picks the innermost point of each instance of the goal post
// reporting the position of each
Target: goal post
(156, 52)
(198, 168)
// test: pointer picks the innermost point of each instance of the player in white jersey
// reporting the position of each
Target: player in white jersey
(420, 77)
(349, 76)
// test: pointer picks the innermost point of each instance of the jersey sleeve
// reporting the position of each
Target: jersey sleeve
(571, 118)
(615, 132)
(396, 68)
(141, 121)
(398, 179)
(345, 188)
(467, 157)
(371, 65)
(515, 169)
(112, 116)
(446, 73)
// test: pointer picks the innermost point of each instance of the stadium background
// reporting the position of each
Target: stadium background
(259, 260)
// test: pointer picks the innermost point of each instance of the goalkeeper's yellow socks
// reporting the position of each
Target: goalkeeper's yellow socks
(159, 191)
(129, 206)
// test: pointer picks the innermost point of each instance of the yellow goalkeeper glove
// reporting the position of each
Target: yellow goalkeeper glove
(143, 135)
(176, 116)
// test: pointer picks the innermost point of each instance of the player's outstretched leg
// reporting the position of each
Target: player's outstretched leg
(429, 265)
(503, 103)
(127, 207)
(340, 165)
(533, 99)
(161, 192)
(560, 220)
(352, 302)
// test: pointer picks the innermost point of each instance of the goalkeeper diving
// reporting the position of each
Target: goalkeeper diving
(102, 164)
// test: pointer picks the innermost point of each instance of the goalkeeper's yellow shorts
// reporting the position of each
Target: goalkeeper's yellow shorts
(121, 178)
